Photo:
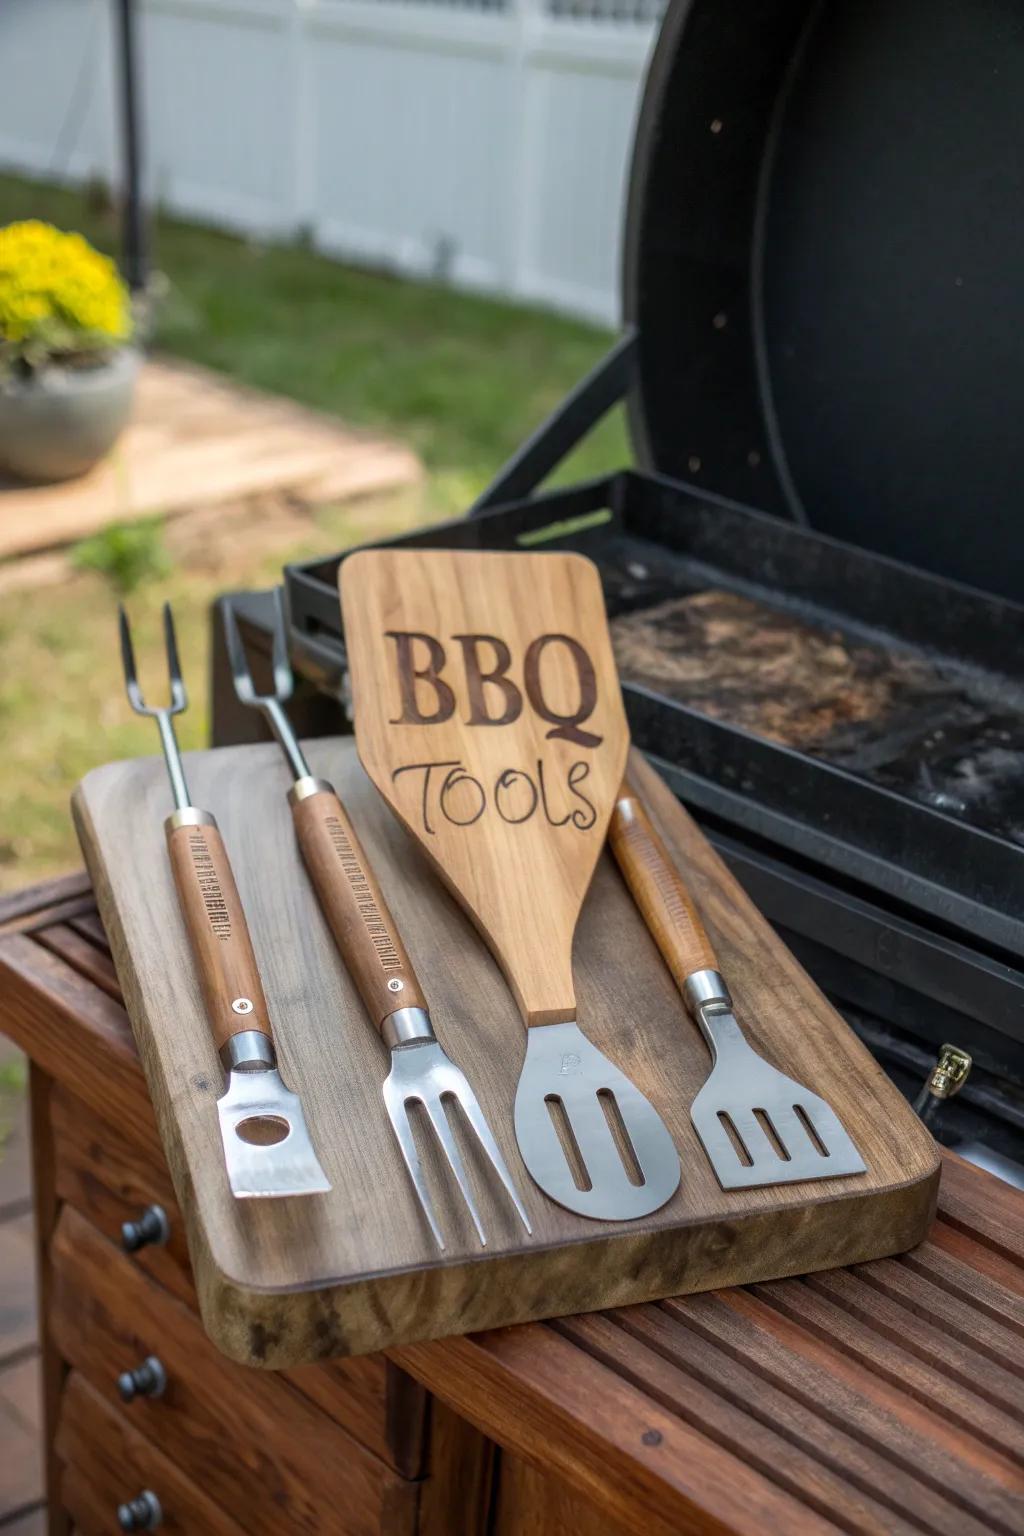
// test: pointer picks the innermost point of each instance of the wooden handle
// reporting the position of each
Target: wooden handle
(217, 930)
(658, 889)
(354, 906)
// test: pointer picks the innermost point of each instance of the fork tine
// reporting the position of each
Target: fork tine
(473, 1113)
(245, 686)
(237, 658)
(131, 681)
(283, 680)
(439, 1120)
(407, 1146)
(179, 698)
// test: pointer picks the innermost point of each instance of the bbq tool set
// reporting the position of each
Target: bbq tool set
(589, 1138)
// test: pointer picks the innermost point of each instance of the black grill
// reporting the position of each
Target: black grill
(823, 248)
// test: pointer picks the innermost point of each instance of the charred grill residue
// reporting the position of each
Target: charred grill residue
(891, 717)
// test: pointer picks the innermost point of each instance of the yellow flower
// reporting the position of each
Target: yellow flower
(56, 289)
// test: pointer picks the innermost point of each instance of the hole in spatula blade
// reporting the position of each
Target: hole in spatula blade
(774, 1140)
(816, 1141)
(263, 1130)
(739, 1146)
(621, 1138)
(570, 1146)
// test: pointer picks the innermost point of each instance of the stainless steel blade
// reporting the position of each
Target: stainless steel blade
(742, 1092)
(561, 1065)
(257, 1106)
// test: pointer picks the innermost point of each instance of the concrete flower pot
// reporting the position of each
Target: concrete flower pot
(61, 421)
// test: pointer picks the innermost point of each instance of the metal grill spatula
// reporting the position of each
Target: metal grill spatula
(756, 1125)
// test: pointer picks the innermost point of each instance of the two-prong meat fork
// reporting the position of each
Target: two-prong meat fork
(370, 944)
(263, 1130)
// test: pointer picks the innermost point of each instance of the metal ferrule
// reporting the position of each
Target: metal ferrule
(707, 998)
(406, 1025)
(704, 988)
(248, 1051)
(303, 788)
(189, 816)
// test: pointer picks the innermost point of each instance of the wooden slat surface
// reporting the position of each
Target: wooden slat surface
(782, 1407)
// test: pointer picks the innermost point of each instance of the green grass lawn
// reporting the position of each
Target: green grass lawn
(459, 378)
(462, 380)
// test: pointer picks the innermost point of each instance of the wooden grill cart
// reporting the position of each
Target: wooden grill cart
(882, 1399)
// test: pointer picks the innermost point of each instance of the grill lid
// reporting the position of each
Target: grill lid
(824, 253)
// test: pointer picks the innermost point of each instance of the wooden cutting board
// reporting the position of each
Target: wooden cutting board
(282, 1282)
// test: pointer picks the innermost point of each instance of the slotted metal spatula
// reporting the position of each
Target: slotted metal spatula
(756, 1125)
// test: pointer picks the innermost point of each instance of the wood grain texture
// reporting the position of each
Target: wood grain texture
(107, 1175)
(34, 1460)
(107, 1460)
(20, 911)
(761, 1411)
(73, 1031)
(285, 1282)
(602, 1432)
(110, 1175)
(457, 1495)
(214, 1418)
(833, 1415)
(658, 890)
(216, 925)
(527, 1503)
(354, 906)
(497, 670)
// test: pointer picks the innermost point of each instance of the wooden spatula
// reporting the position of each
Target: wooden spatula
(489, 716)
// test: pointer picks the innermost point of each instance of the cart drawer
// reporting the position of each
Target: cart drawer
(107, 1461)
(110, 1176)
(254, 1443)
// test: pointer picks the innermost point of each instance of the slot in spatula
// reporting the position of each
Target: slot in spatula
(756, 1125)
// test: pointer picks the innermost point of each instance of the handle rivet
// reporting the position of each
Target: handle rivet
(242, 1005)
(394, 985)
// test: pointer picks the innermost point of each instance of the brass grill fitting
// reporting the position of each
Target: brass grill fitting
(950, 1072)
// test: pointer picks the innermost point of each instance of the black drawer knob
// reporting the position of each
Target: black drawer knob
(151, 1227)
(147, 1380)
(141, 1514)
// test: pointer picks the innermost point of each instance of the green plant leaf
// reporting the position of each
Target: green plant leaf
(127, 554)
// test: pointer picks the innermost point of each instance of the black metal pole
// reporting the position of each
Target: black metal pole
(133, 225)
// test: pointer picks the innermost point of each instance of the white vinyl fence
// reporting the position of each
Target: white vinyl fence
(485, 142)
